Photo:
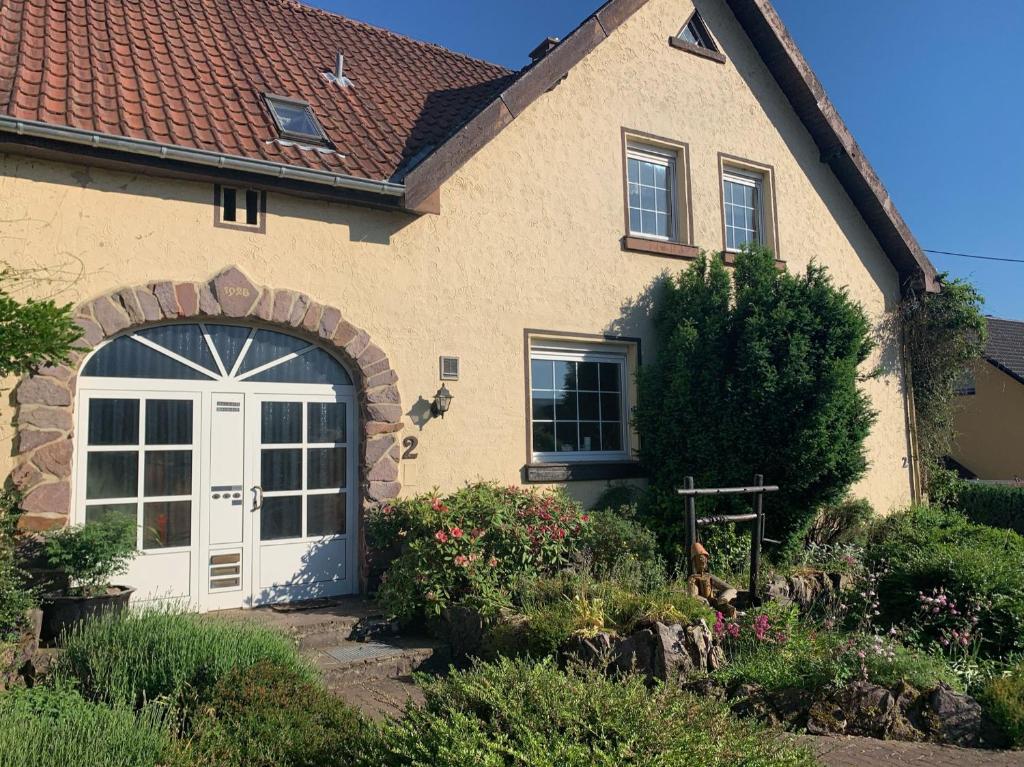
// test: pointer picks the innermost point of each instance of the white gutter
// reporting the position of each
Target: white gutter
(146, 148)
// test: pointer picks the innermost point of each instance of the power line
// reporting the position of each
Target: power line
(980, 258)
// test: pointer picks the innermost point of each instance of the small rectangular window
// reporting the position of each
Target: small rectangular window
(578, 403)
(651, 175)
(239, 208)
(744, 215)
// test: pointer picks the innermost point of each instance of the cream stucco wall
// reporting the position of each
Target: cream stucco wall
(528, 237)
(990, 425)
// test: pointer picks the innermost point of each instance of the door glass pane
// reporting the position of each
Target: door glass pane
(166, 524)
(281, 423)
(112, 475)
(325, 422)
(315, 367)
(325, 514)
(168, 422)
(96, 513)
(281, 470)
(168, 472)
(267, 346)
(229, 340)
(281, 518)
(326, 468)
(184, 340)
(125, 357)
(113, 422)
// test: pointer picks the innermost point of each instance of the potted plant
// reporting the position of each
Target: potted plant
(87, 557)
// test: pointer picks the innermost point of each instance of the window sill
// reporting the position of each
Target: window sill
(658, 247)
(581, 472)
(696, 50)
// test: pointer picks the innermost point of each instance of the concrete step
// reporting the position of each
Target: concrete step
(322, 623)
(380, 698)
(347, 663)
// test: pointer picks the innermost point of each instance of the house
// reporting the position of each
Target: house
(989, 419)
(285, 231)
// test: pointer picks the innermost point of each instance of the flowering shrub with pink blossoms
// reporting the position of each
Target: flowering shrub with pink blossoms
(471, 547)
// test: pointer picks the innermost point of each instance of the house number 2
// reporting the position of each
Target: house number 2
(410, 444)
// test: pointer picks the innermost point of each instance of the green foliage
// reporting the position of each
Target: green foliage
(993, 505)
(944, 335)
(33, 333)
(759, 379)
(90, 555)
(840, 523)
(775, 649)
(551, 610)
(136, 656)
(616, 495)
(470, 547)
(1003, 700)
(16, 598)
(267, 715)
(43, 726)
(927, 548)
(615, 534)
(518, 714)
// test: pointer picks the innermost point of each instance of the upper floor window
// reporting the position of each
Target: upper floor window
(652, 185)
(578, 402)
(295, 119)
(744, 213)
(748, 204)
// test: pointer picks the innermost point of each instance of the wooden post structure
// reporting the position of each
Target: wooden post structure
(691, 523)
(756, 537)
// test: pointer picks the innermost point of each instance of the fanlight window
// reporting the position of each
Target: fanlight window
(204, 352)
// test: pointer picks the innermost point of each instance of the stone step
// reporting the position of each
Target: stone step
(346, 663)
(322, 623)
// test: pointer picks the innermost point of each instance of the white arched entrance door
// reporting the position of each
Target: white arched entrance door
(234, 449)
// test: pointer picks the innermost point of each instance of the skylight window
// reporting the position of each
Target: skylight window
(295, 119)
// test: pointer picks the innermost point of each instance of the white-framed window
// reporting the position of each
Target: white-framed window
(651, 175)
(743, 198)
(578, 402)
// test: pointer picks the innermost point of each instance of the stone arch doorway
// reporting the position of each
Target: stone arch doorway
(46, 401)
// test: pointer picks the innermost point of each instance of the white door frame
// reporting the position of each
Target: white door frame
(203, 393)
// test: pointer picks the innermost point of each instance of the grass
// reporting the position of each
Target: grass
(46, 727)
(135, 657)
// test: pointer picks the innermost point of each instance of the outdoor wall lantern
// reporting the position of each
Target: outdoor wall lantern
(442, 401)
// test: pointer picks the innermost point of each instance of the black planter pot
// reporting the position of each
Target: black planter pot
(62, 613)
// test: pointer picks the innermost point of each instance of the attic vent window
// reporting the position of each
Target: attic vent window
(695, 38)
(239, 208)
(295, 119)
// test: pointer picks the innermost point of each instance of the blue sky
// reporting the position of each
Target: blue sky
(933, 90)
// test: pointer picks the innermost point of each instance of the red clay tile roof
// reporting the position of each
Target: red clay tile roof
(192, 73)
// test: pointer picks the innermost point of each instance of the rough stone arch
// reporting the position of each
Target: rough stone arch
(45, 401)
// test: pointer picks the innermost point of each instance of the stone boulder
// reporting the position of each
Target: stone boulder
(953, 717)
(664, 652)
(806, 590)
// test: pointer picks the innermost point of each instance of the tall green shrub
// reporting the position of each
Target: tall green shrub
(758, 374)
(992, 505)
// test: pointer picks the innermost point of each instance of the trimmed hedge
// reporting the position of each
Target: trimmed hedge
(993, 505)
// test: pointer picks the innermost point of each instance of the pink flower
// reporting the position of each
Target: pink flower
(462, 560)
(456, 532)
(442, 536)
(493, 561)
(761, 625)
(719, 624)
(585, 518)
(438, 505)
(733, 629)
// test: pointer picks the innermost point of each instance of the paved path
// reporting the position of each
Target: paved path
(865, 752)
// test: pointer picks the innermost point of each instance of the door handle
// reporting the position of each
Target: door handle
(257, 498)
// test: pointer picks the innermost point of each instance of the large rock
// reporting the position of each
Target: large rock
(806, 590)
(953, 717)
(666, 652)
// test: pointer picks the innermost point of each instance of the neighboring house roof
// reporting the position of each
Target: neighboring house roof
(189, 74)
(1005, 346)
